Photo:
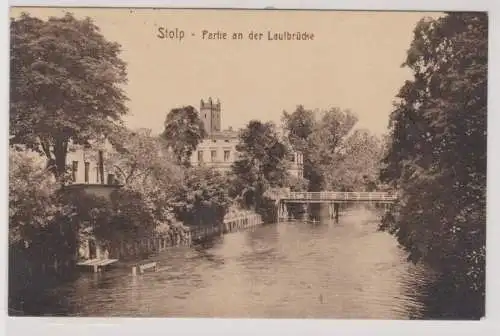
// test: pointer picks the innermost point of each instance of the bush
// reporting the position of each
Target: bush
(202, 198)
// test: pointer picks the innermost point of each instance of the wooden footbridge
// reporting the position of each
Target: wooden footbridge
(337, 197)
(332, 198)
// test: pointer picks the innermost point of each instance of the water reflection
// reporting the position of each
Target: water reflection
(288, 270)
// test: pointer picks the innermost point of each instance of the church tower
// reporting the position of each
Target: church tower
(210, 113)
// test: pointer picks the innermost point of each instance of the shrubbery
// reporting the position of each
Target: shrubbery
(202, 198)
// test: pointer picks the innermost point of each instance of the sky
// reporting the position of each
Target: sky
(353, 62)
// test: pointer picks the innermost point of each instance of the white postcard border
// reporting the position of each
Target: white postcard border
(134, 326)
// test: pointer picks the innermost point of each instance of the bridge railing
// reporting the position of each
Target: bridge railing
(341, 196)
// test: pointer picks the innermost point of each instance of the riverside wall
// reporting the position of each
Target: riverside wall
(180, 235)
(176, 235)
(234, 221)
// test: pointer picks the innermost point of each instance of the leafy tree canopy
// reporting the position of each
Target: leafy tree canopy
(143, 164)
(32, 201)
(65, 85)
(336, 155)
(262, 162)
(261, 169)
(138, 156)
(437, 151)
(183, 131)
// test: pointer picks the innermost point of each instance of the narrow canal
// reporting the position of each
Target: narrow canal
(289, 270)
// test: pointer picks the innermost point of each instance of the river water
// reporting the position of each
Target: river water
(286, 270)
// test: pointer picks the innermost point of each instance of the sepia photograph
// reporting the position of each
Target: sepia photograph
(247, 164)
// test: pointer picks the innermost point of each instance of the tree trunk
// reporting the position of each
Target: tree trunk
(60, 154)
(101, 166)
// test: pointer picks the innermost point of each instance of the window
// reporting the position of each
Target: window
(87, 171)
(214, 140)
(213, 155)
(200, 156)
(226, 140)
(74, 169)
(226, 155)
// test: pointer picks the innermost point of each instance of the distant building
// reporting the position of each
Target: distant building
(88, 165)
(218, 149)
(296, 164)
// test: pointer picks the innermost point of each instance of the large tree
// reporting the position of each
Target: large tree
(138, 156)
(300, 127)
(437, 155)
(321, 137)
(145, 167)
(65, 82)
(183, 131)
(328, 139)
(356, 164)
(262, 164)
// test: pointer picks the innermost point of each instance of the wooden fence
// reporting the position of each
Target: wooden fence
(232, 223)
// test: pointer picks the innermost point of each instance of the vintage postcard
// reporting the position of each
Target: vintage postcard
(268, 164)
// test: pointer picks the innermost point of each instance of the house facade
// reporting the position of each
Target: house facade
(89, 172)
(88, 165)
(217, 151)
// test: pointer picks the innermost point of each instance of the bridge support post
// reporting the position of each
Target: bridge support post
(281, 211)
(306, 211)
(285, 212)
(277, 212)
(336, 207)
